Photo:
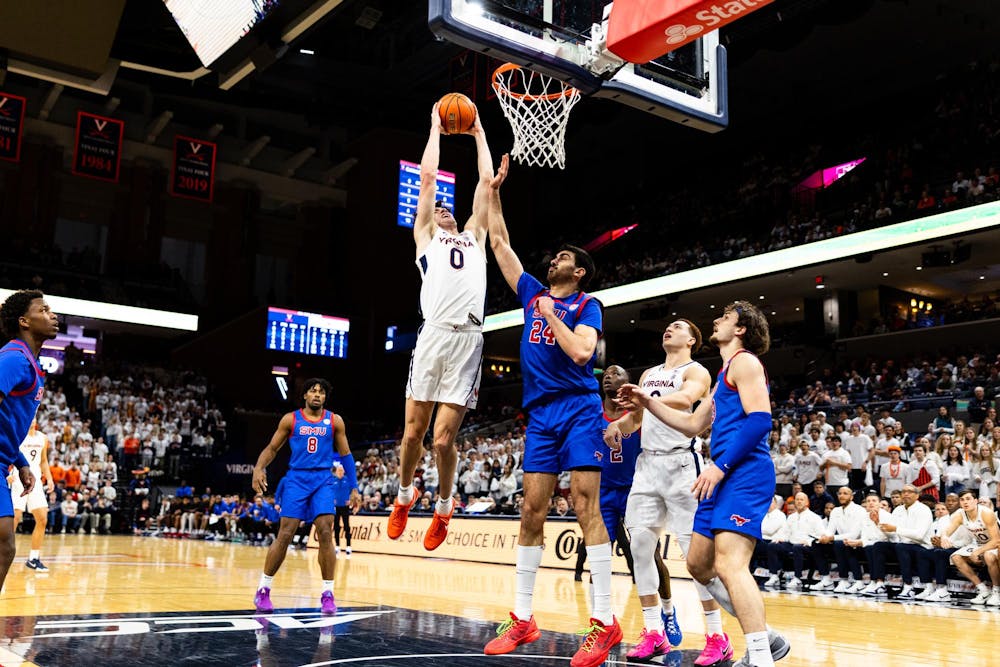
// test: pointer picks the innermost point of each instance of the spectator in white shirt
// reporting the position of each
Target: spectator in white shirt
(816, 441)
(836, 463)
(849, 551)
(861, 448)
(909, 529)
(804, 527)
(922, 472)
(773, 528)
(957, 472)
(892, 474)
(845, 524)
(807, 463)
(883, 443)
(784, 471)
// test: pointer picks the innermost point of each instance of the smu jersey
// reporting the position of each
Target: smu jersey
(659, 437)
(453, 270)
(548, 372)
(728, 416)
(22, 384)
(618, 468)
(311, 442)
(32, 448)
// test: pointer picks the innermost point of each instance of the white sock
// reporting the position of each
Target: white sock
(35, 553)
(599, 557)
(760, 649)
(667, 604)
(984, 588)
(713, 622)
(528, 560)
(652, 620)
(445, 505)
(721, 595)
(328, 585)
(929, 588)
(405, 494)
(265, 581)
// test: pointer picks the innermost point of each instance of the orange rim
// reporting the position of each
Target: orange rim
(501, 89)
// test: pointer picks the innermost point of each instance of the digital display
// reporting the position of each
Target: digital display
(409, 190)
(307, 333)
(212, 27)
(52, 357)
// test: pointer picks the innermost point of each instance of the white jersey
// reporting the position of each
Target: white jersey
(453, 270)
(32, 448)
(657, 436)
(976, 527)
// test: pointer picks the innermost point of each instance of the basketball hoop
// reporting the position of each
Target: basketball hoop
(537, 107)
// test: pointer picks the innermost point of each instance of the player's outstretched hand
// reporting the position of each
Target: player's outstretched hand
(477, 126)
(435, 117)
(259, 480)
(355, 501)
(501, 174)
(631, 397)
(709, 478)
(27, 479)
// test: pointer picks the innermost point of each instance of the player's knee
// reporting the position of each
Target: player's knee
(698, 570)
(444, 444)
(642, 542)
(989, 557)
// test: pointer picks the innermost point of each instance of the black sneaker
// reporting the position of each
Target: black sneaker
(36, 564)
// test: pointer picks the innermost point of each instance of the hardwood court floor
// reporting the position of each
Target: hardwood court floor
(106, 596)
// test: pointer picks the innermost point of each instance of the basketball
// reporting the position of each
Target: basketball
(457, 112)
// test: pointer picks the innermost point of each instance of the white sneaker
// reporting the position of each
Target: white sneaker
(857, 587)
(794, 584)
(926, 593)
(982, 596)
(348, 552)
(875, 588)
(939, 594)
(906, 593)
(823, 585)
(842, 586)
(773, 581)
(993, 600)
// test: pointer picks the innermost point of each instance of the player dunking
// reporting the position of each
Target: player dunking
(35, 449)
(734, 492)
(446, 363)
(661, 493)
(313, 433)
(565, 421)
(29, 322)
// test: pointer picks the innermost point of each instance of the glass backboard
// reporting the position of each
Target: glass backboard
(558, 38)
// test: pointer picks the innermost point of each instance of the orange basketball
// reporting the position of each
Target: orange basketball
(458, 113)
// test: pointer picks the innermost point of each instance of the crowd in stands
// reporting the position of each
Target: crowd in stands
(937, 155)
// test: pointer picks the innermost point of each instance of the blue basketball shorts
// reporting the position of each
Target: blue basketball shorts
(613, 502)
(306, 494)
(740, 501)
(565, 434)
(6, 502)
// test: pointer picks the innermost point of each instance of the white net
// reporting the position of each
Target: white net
(537, 107)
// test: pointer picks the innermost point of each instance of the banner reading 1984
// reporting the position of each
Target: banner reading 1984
(98, 146)
(194, 169)
(11, 124)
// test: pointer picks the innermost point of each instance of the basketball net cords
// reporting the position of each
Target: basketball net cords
(537, 107)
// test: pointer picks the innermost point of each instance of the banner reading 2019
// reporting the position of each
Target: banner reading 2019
(98, 148)
(194, 169)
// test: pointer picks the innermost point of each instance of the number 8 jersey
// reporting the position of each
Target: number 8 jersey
(311, 442)
(453, 270)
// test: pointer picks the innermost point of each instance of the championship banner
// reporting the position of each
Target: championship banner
(11, 124)
(485, 541)
(193, 174)
(98, 147)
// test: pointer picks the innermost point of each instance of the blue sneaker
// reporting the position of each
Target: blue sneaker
(671, 627)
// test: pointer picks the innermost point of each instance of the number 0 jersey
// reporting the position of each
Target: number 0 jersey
(453, 270)
(657, 436)
(311, 442)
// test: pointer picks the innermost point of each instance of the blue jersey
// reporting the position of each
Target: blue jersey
(618, 468)
(22, 384)
(311, 442)
(728, 416)
(549, 372)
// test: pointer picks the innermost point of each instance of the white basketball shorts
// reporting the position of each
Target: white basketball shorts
(661, 495)
(35, 498)
(446, 366)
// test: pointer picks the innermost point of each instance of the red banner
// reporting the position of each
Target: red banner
(11, 125)
(193, 175)
(97, 150)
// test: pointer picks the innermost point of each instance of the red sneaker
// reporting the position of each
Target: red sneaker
(511, 634)
(397, 519)
(598, 641)
(438, 530)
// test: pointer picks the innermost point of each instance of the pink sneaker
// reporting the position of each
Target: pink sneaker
(262, 601)
(651, 644)
(327, 605)
(717, 649)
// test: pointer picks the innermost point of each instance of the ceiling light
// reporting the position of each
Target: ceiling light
(796, 309)
(885, 273)
(773, 313)
(712, 306)
(920, 268)
(761, 297)
(631, 321)
(673, 314)
(307, 52)
(982, 277)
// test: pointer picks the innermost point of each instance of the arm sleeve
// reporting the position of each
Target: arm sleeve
(755, 428)
(350, 470)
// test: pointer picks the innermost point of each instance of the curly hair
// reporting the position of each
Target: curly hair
(14, 308)
(757, 338)
(312, 382)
